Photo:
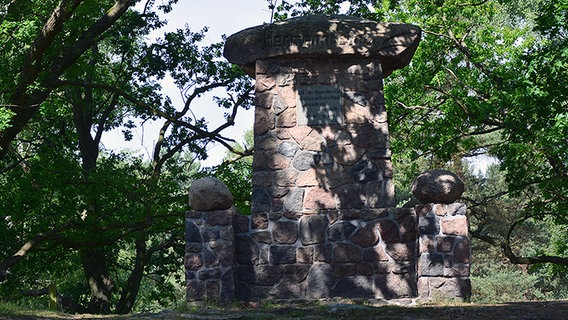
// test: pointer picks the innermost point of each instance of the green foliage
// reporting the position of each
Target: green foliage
(99, 217)
(488, 78)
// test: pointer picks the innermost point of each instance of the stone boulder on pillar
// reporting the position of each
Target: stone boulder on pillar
(437, 186)
(325, 35)
(209, 194)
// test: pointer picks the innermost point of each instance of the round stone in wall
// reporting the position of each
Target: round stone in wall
(208, 194)
(437, 186)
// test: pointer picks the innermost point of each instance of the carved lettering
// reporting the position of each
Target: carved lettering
(319, 105)
(273, 40)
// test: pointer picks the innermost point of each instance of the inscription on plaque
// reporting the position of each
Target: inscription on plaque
(319, 105)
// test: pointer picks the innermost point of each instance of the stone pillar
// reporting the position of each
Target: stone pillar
(321, 132)
(444, 253)
(210, 248)
(322, 173)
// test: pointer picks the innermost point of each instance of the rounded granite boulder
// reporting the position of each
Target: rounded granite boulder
(209, 194)
(437, 186)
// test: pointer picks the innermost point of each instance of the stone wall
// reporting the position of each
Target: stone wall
(444, 253)
(420, 252)
(322, 222)
(210, 255)
(349, 253)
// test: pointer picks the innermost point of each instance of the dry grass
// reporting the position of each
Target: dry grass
(539, 310)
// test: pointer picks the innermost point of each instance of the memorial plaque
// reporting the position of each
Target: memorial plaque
(319, 105)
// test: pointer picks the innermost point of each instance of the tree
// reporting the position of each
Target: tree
(487, 79)
(115, 217)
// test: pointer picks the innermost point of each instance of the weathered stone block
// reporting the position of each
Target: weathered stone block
(366, 236)
(285, 232)
(318, 198)
(242, 223)
(261, 201)
(388, 230)
(192, 233)
(323, 252)
(320, 281)
(195, 290)
(445, 243)
(262, 237)
(354, 287)
(259, 220)
(305, 255)
(431, 265)
(402, 251)
(219, 218)
(350, 196)
(268, 275)
(247, 249)
(456, 225)
(288, 149)
(377, 253)
(313, 229)
(282, 254)
(462, 250)
(345, 252)
(428, 225)
(340, 231)
(193, 261)
(294, 201)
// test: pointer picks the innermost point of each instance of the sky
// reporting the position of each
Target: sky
(221, 17)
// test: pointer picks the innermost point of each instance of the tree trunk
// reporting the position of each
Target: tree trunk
(130, 291)
(100, 282)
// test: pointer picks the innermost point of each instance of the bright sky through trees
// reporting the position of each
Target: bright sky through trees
(221, 17)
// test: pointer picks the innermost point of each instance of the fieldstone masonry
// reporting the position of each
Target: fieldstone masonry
(323, 223)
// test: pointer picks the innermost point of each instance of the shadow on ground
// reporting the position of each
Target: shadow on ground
(536, 310)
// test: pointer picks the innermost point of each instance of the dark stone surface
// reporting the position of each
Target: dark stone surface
(210, 233)
(282, 254)
(437, 186)
(345, 252)
(340, 231)
(354, 287)
(259, 220)
(388, 230)
(431, 264)
(428, 225)
(288, 149)
(313, 229)
(320, 281)
(192, 233)
(219, 218)
(228, 289)
(247, 251)
(350, 197)
(285, 232)
(366, 236)
(268, 275)
(364, 171)
(261, 201)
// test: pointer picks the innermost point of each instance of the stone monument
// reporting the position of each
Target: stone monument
(323, 223)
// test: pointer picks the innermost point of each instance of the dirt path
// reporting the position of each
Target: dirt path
(551, 310)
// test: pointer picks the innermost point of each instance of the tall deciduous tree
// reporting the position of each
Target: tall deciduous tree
(86, 69)
(489, 78)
